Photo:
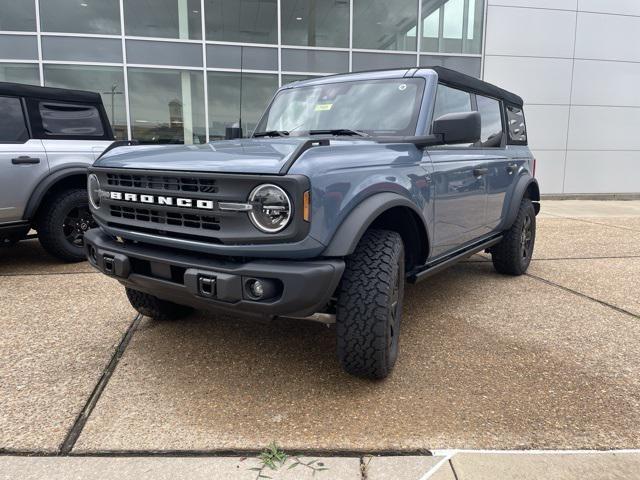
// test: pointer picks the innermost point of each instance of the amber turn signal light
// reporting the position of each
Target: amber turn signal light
(306, 206)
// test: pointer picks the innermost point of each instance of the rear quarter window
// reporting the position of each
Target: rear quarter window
(70, 120)
(517, 125)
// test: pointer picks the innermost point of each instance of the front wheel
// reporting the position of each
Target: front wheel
(513, 254)
(62, 223)
(369, 305)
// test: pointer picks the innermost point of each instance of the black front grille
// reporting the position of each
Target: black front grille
(161, 217)
(163, 182)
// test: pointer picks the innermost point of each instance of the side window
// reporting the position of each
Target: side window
(12, 125)
(491, 133)
(517, 125)
(69, 119)
(451, 100)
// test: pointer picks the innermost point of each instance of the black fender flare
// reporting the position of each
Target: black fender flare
(46, 183)
(349, 233)
(523, 184)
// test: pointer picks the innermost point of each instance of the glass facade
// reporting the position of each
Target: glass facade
(169, 71)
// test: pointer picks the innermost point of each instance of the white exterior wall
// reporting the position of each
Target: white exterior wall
(576, 63)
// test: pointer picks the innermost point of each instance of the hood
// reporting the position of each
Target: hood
(259, 155)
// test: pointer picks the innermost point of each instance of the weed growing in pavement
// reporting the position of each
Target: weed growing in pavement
(273, 457)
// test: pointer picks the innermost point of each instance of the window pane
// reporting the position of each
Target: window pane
(167, 106)
(67, 119)
(225, 106)
(451, 100)
(491, 134)
(108, 81)
(315, 23)
(12, 126)
(77, 16)
(163, 18)
(17, 15)
(253, 21)
(517, 126)
(452, 26)
(20, 73)
(385, 25)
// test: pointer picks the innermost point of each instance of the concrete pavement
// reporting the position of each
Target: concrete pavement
(545, 361)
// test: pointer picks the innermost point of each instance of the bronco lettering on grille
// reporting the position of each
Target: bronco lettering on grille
(162, 200)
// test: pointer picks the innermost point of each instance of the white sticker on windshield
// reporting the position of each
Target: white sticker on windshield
(402, 87)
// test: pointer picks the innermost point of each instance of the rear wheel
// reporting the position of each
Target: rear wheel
(155, 308)
(62, 223)
(513, 254)
(369, 307)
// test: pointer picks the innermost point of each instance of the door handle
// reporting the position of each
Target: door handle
(478, 172)
(24, 160)
(511, 169)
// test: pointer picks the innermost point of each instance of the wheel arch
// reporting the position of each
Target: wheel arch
(526, 187)
(70, 177)
(385, 211)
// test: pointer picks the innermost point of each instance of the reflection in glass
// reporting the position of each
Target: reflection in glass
(315, 23)
(80, 16)
(385, 25)
(166, 106)
(491, 133)
(253, 21)
(227, 107)
(451, 100)
(17, 15)
(163, 18)
(108, 81)
(452, 26)
(20, 73)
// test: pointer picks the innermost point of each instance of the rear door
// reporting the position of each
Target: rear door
(23, 162)
(501, 168)
(459, 179)
(72, 133)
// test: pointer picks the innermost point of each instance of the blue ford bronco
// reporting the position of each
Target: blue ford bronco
(350, 186)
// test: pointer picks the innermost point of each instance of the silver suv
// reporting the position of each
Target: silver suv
(48, 138)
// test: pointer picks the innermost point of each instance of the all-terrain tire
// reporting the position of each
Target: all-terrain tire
(61, 221)
(513, 254)
(369, 306)
(155, 308)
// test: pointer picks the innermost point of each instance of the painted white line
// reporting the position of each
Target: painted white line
(533, 452)
(437, 466)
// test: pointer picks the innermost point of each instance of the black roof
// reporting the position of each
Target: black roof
(49, 93)
(467, 82)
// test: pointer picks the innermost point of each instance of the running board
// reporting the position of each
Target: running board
(433, 268)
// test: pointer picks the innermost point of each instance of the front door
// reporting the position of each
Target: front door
(23, 162)
(459, 181)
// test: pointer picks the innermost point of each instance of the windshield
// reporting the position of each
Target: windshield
(376, 107)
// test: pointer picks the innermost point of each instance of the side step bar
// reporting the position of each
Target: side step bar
(433, 268)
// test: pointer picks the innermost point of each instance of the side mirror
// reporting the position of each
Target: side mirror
(463, 127)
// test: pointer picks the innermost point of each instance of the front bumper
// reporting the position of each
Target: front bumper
(301, 287)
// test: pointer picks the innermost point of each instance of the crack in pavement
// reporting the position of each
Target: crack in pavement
(76, 429)
(578, 219)
(580, 294)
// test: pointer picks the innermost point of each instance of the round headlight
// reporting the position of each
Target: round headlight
(271, 210)
(93, 188)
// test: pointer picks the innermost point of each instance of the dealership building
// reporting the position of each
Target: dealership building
(184, 70)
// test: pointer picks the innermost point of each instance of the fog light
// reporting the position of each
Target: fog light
(261, 289)
(256, 288)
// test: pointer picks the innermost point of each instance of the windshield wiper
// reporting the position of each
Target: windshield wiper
(272, 133)
(339, 131)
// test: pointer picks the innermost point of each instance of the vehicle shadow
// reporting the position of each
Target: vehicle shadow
(29, 258)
